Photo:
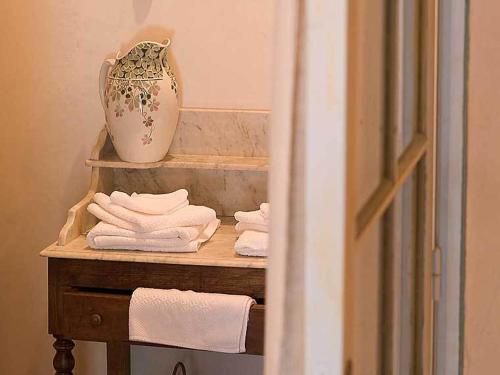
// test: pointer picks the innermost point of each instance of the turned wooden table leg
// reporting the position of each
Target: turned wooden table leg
(63, 360)
(118, 356)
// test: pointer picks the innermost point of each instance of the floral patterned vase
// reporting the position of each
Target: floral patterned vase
(139, 95)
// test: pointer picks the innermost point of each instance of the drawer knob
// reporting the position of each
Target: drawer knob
(95, 320)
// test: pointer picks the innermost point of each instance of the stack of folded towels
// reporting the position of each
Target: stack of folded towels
(150, 222)
(253, 227)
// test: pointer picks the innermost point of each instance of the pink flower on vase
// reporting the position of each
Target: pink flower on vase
(132, 101)
(148, 122)
(154, 89)
(153, 106)
(118, 111)
(146, 140)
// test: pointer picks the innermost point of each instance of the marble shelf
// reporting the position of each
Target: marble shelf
(218, 251)
(184, 161)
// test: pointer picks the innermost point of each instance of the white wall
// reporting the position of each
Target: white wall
(482, 253)
(51, 52)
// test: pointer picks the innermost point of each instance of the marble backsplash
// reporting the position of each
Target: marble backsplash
(210, 132)
(224, 191)
(221, 132)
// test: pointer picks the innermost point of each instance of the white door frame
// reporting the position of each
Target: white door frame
(305, 276)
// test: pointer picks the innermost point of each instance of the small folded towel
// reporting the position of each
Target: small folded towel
(241, 227)
(205, 321)
(156, 204)
(251, 217)
(122, 217)
(252, 243)
(179, 239)
(264, 208)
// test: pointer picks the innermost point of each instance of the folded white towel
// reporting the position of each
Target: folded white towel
(264, 208)
(122, 217)
(251, 217)
(241, 227)
(175, 240)
(156, 204)
(206, 321)
(184, 234)
(252, 243)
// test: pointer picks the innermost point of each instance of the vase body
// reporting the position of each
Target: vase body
(139, 96)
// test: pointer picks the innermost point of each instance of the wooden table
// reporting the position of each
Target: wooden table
(89, 291)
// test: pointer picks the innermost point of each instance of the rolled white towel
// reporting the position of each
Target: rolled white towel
(122, 217)
(264, 208)
(156, 204)
(107, 217)
(241, 227)
(251, 217)
(118, 238)
(252, 243)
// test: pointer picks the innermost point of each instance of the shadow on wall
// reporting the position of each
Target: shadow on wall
(141, 9)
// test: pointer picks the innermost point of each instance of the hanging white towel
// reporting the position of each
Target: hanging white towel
(156, 204)
(206, 321)
(172, 240)
(252, 243)
(241, 227)
(139, 222)
(251, 217)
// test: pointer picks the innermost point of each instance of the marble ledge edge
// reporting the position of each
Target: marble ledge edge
(167, 258)
(224, 110)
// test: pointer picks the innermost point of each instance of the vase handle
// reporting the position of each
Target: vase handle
(106, 64)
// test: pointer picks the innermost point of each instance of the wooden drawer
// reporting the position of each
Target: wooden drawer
(125, 276)
(95, 316)
(104, 317)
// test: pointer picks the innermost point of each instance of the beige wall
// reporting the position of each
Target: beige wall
(482, 290)
(50, 57)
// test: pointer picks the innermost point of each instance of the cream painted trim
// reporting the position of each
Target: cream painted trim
(305, 296)
(279, 182)
(325, 124)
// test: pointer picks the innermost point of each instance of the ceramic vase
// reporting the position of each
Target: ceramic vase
(139, 95)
